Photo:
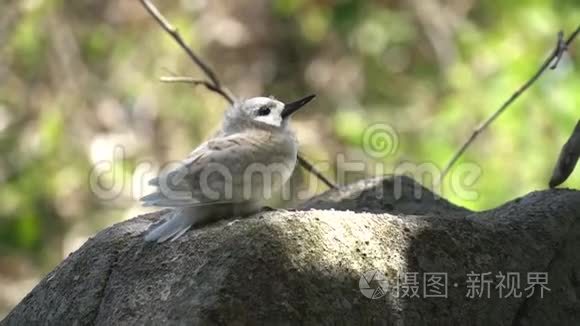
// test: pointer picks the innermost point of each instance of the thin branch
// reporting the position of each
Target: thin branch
(189, 80)
(552, 61)
(182, 79)
(177, 37)
(560, 49)
(310, 168)
(213, 83)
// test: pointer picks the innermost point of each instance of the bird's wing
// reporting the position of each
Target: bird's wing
(172, 174)
(200, 178)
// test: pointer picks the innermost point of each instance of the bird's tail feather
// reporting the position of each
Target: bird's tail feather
(172, 226)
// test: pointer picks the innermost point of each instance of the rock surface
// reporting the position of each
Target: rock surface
(305, 266)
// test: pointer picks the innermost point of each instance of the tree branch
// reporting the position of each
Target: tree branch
(189, 80)
(310, 168)
(164, 23)
(551, 62)
(213, 83)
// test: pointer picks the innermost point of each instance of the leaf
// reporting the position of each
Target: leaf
(568, 158)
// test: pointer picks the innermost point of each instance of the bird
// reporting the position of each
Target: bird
(232, 173)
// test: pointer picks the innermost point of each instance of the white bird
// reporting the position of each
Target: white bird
(231, 174)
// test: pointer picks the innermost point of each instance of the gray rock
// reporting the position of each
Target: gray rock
(398, 195)
(305, 266)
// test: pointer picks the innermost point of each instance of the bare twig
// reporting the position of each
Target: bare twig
(551, 61)
(560, 49)
(213, 83)
(164, 23)
(183, 79)
(189, 80)
(310, 168)
(567, 159)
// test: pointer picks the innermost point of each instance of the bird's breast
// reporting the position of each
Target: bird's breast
(273, 164)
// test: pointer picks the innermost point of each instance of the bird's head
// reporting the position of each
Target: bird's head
(264, 111)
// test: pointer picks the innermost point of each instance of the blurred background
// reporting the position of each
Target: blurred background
(84, 120)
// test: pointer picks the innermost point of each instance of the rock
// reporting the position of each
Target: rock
(393, 194)
(305, 266)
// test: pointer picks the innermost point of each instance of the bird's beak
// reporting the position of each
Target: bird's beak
(294, 106)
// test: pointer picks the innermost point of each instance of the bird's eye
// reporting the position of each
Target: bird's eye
(264, 110)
